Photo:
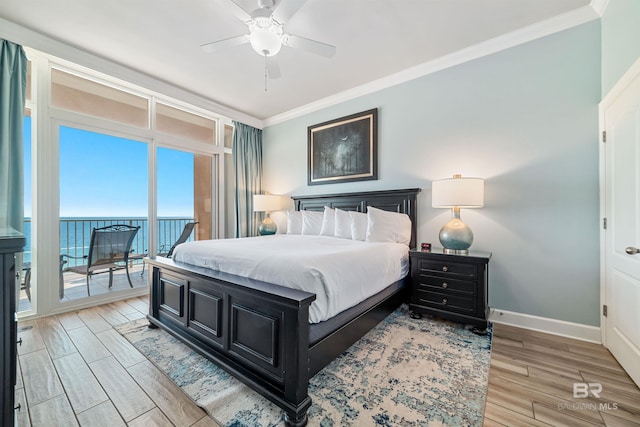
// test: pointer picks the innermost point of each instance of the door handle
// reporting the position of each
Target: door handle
(632, 251)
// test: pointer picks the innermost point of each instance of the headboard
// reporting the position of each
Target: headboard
(402, 201)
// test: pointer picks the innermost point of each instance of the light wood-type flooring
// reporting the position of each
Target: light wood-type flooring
(532, 377)
(75, 369)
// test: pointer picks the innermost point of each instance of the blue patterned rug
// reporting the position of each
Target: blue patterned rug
(404, 372)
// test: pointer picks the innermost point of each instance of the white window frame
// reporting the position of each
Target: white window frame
(46, 121)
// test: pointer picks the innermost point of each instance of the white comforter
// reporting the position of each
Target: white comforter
(341, 272)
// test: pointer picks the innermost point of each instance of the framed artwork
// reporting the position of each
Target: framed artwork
(344, 149)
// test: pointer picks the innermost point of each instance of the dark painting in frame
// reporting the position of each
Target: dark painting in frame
(344, 149)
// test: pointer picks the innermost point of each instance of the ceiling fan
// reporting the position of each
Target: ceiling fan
(266, 33)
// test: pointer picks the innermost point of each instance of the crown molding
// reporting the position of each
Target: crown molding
(526, 34)
(37, 41)
(32, 39)
(599, 6)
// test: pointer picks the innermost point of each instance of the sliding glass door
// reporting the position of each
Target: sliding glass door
(175, 196)
(24, 259)
(106, 155)
(103, 193)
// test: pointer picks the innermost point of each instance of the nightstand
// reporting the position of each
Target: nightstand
(450, 286)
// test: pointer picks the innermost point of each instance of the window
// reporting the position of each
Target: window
(184, 195)
(103, 182)
(84, 96)
(95, 146)
(24, 293)
(187, 125)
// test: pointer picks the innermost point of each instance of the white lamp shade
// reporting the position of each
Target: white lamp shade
(266, 203)
(457, 192)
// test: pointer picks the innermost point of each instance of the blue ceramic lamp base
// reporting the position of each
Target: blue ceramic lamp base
(456, 236)
(267, 227)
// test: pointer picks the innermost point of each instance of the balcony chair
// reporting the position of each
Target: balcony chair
(27, 278)
(26, 284)
(109, 250)
(186, 232)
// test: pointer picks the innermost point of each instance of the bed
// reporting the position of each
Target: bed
(260, 332)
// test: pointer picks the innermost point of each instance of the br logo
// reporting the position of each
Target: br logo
(582, 390)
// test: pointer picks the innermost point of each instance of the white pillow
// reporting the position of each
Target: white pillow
(328, 222)
(294, 222)
(343, 224)
(385, 226)
(358, 225)
(311, 222)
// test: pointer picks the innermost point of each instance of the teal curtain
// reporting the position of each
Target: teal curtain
(13, 84)
(247, 159)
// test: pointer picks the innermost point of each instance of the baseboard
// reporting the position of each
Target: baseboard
(550, 326)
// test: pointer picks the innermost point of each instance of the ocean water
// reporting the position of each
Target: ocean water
(75, 234)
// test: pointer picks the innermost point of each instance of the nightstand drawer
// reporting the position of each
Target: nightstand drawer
(446, 301)
(445, 267)
(451, 286)
(446, 285)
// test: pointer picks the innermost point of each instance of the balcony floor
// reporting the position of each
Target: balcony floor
(75, 285)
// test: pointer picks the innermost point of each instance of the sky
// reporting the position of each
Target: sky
(107, 176)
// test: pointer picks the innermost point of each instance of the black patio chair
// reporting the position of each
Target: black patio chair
(186, 232)
(109, 250)
(184, 236)
(27, 278)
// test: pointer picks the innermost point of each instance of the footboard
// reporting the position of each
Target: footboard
(256, 331)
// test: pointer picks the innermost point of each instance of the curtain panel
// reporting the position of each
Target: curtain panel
(13, 84)
(247, 159)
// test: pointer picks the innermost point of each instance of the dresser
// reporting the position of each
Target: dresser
(450, 286)
(11, 242)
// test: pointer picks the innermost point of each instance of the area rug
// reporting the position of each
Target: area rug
(404, 372)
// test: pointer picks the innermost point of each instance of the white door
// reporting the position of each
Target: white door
(620, 117)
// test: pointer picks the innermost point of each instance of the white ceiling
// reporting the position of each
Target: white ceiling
(374, 39)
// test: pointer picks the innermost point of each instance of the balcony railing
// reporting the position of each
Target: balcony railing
(75, 234)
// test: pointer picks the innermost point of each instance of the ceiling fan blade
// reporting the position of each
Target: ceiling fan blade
(309, 45)
(225, 43)
(237, 11)
(286, 9)
(273, 69)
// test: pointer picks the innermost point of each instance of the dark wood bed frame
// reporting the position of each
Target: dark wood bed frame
(257, 331)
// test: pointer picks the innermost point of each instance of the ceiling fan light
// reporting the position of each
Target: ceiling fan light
(262, 22)
(265, 41)
(261, 18)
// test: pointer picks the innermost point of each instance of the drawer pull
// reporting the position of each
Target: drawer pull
(444, 285)
(444, 301)
(445, 268)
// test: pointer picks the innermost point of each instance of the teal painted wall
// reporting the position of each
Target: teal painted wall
(526, 120)
(620, 40)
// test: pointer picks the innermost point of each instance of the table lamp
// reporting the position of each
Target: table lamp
(267, 203)
(455, 193)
